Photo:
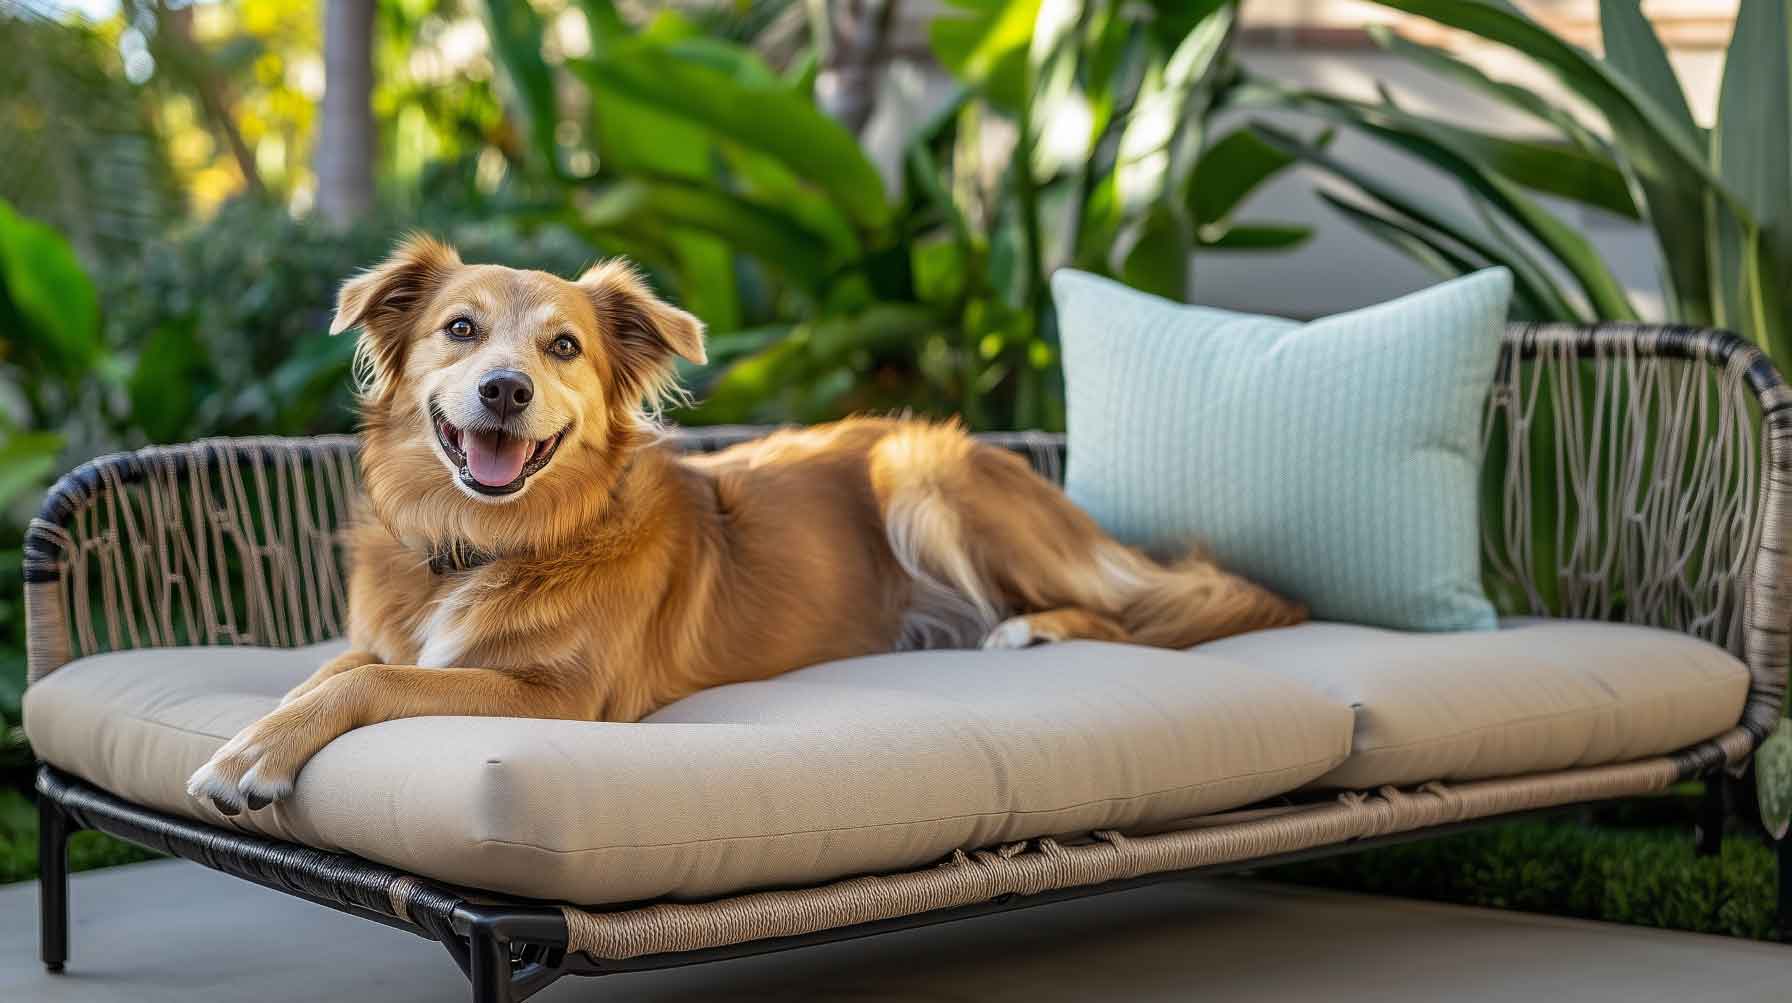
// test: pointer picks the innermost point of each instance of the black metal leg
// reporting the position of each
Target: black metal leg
(1714, 808)
(53, 828)
(490, 966)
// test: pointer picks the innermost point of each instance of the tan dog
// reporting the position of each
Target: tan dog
(533, 551)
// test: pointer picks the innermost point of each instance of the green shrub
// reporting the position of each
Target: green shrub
(86, 851)
(1645, 877)
(224, 325)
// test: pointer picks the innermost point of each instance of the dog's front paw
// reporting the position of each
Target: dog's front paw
(252, 770)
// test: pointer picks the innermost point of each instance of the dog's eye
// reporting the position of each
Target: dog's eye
(564, 347)
(461, 329)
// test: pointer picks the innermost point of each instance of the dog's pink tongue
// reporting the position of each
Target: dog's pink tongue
(495, 460)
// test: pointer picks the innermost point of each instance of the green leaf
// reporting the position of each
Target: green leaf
(1654, 139)
(774, 238)
(1667, 164)
(1566, 244)
(1528, 278)
(1434, 251)
(1155, 255)
(1562, 170)
(986, 47)
(164, 387)
(1228, 171)
(939, 265)
(1633, 49)
(1255, 237)
(637, 137)
(516, 34)
(1416, 243)
(1447, 65)
(27, 459)
(1150, 167)
(706, 285)
(1754, 155)
(603, 22)
(1773, 780)
(43, 283)
(768, 118)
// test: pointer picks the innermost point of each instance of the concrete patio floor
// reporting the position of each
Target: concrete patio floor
(173, 931)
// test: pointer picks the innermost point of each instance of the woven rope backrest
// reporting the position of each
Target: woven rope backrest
(1636, 494)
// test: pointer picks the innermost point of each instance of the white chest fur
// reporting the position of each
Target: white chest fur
(441, 635)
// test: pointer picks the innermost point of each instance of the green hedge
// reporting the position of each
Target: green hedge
(1645, 877)
(18, 843)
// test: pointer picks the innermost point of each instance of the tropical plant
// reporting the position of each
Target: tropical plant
(1715, 199)
(1075, 137)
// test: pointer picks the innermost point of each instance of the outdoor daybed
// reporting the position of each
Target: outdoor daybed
(1639, 489)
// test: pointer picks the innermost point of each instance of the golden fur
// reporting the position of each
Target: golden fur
(626, 576)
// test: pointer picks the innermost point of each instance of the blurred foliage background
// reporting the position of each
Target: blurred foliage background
(186, 182)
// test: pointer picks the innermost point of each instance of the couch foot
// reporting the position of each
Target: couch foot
(489, 967)
(53, 829)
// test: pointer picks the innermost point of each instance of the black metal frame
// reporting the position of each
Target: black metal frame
(510, 949)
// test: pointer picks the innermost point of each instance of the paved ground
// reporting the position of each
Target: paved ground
(172, 931)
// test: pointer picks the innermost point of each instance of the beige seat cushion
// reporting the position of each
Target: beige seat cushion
(1533, 695)
(864, 765)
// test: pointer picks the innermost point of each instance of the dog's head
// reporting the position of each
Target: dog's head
(487, 387)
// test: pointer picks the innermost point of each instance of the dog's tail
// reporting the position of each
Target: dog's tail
(1190, 601)
(984, 537)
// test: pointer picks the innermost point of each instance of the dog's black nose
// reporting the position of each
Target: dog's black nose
(506, 392)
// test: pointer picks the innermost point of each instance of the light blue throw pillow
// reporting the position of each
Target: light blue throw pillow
(1337, 462)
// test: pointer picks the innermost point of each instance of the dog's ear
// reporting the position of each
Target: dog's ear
(644, 331)
(380, 302)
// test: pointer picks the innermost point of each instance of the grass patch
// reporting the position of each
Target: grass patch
(1645, 877)
(86, 851)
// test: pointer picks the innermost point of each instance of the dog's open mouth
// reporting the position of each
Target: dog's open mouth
(492, 462)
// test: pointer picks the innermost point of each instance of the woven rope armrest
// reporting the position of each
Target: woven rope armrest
(226, 541)
(1643, 474)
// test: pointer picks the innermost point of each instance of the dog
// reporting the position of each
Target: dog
(531, 547)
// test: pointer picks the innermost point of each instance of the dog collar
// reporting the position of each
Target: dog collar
(456, 556)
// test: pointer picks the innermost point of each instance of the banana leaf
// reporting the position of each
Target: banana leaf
(1529, 279)
(1447, 65)
(1228, 171)
(1668, 165)
(1753, 150)
(1439, 148)
(768, 118)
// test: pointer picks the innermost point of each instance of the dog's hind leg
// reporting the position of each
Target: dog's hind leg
(1063, 624)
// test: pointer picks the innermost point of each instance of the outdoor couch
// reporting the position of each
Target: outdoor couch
(1638, 484)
